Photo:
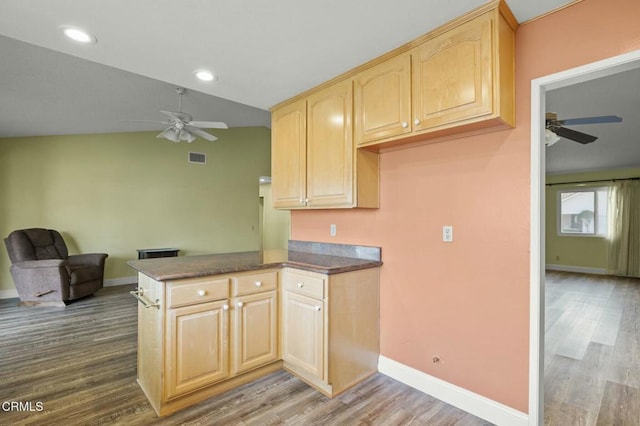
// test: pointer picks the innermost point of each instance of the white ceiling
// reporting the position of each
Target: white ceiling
(262, 52)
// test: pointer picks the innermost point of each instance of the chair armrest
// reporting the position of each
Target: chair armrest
(47, 263)
(87, 259)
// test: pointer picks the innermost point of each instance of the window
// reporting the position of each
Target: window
(582, 212)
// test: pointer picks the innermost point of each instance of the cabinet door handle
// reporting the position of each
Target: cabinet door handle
(225, 307)
(240, 304)
(316, 308)
(306, 201)
(201, 292)
(258, 284)
(416, 122)
(405, 124)
(300, 285)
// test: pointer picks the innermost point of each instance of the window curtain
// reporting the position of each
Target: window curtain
(624, 229)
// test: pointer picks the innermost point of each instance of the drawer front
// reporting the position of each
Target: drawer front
(196, 290)
(255, 283)
(304, 284)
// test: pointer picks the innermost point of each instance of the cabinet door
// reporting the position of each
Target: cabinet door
(330, 146)
(255, 331)
(303, 333)
(382, 100)
(196, 350)
(452, 75)
(288, 155)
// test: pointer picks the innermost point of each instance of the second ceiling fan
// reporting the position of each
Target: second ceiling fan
(555, 126)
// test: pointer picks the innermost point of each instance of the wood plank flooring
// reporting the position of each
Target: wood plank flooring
(79, 362)
(592, 350)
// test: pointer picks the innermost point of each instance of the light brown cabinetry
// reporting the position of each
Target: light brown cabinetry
(330, 333)
(382, 100)
(457, 79)
(196, 347)
(191, 347)
(314, 161)
(203, 336)
(254, 321)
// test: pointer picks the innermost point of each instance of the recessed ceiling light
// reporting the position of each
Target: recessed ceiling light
(205, 75)
(76, 34)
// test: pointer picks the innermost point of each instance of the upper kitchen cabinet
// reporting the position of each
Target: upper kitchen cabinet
(314, 161)
(382, 100)
(456, 79)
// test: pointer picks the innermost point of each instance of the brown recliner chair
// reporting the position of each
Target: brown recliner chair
(43, 271)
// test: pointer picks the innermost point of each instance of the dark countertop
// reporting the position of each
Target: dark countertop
(172, 268)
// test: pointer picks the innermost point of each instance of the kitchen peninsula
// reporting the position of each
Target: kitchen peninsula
(209, 323)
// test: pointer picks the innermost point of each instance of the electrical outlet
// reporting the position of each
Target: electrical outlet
(332, 230)
(447, 234)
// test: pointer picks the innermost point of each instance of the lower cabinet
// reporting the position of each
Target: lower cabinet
(196, 347)
(330, 331)
(303, 333)
(255, 331)
(199, 337)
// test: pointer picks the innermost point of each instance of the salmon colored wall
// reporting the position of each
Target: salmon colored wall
(468, 301)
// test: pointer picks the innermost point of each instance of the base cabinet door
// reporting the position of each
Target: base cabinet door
(255, 331)
(196, 347)
(303, 333)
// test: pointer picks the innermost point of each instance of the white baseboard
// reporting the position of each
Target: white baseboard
(121, 281)
(8, 294)
(468, 401)
(580, 269)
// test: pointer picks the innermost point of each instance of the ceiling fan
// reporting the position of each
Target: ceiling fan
(181, 125)
(554, 128)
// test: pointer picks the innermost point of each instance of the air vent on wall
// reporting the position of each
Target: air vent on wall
(198, 157)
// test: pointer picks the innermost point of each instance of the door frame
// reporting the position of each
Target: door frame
(539, 87)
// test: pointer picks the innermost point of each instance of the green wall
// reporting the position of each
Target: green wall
(115, 193)
(583, 252)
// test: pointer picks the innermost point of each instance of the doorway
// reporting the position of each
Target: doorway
(539, 87)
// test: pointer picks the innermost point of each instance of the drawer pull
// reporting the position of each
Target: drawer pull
(146, 303)
(201, 292)
(225, 307)
(300, 285)
(258, 284)
(316, 308)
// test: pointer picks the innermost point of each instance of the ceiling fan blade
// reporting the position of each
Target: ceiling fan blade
(591, 120)
(146, 121)
(177, 116)
(573, 135)
(208, 124)
(202, 133)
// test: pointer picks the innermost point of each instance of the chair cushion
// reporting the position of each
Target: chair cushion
(82, 274)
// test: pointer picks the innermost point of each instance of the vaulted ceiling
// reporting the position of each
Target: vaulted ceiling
(261, 52)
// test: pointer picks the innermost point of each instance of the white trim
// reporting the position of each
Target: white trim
(121, 281)
(468, 401)
(580, 269)
(539, 87)
(8, 294)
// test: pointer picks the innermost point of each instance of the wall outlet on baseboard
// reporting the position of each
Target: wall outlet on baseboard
(332, 230)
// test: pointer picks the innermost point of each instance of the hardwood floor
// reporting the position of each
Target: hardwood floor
(77, 366)
(592, 350)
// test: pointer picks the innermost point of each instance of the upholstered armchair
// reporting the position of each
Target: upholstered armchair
(45, 273)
